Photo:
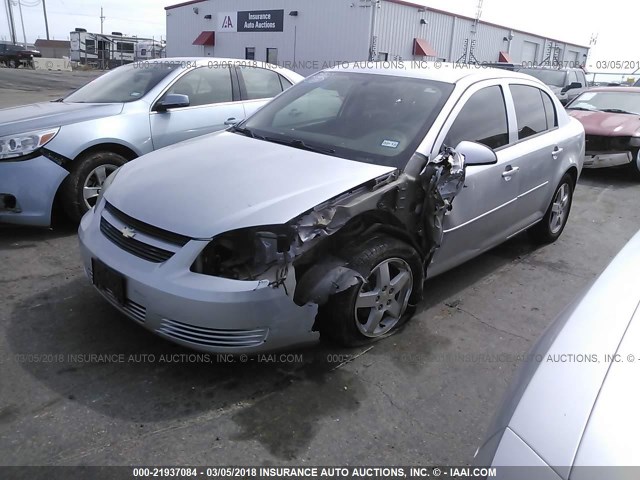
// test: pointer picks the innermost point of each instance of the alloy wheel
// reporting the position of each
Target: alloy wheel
(383, 298)
(559, 208)
(93, 183)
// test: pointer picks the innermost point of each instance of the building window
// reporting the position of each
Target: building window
(250, 53)
(383, 57)
(272, 56)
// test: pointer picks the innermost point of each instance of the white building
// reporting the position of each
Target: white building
(308, 35)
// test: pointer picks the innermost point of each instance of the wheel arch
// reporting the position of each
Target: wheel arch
(573, 173)
(123, 150)
(119, 148)
(380, 221)
(328, 258)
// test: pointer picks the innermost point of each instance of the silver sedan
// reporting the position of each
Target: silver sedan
(65, 149)
(323, 213)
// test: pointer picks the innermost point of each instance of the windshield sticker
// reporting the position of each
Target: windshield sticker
(390, 144)
(587, 96)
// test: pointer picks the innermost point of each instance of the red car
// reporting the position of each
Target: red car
(611, 120)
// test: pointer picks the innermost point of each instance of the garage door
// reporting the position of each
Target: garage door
(573, 58)
(529, 52)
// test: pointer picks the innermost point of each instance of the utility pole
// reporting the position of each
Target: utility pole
(12, 25)
(24, 34)
(46, 22)
(102, 17)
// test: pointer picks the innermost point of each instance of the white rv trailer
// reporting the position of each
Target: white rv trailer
(146, 50)
(110, 51)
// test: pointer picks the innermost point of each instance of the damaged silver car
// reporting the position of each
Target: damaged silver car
(323, 213)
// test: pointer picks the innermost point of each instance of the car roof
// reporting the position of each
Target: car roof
(615, 89)
(557, 69)
(213, 61)
(206, 60)
(438, 71)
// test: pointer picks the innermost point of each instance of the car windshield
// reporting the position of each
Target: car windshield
(123, 84)
(614, 102)
(371, 118)
(548, 77)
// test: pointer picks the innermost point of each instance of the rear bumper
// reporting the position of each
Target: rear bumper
(607, 159)
(27, 190)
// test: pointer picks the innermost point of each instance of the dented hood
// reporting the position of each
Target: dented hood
(224, 181)
(607, 124)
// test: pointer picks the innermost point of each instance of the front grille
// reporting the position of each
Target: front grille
(138, 226)
(598, 143)
(133, 246)
(133, 309)
(212, 337)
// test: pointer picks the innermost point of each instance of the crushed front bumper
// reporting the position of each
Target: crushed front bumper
(607, 159)
(27, 190)
(201, 312)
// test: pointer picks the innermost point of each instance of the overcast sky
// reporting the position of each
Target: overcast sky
(615, 21)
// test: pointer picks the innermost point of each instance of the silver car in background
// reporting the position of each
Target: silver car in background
(573, 405)
(68, 147)
(325, 210)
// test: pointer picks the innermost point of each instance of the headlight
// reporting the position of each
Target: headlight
(246, 254)
(107, 182)
(22, 144)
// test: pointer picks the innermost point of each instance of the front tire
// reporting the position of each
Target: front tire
(549, 229)
(373, 309)
(83, 185)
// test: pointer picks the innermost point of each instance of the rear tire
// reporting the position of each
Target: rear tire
(13, 63)
(82, 187)
(549, 229)
(369, 311)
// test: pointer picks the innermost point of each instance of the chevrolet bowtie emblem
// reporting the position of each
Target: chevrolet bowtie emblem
(128, 232)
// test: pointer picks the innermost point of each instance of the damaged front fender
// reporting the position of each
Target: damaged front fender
(442, 179)
(325, 279)
(309, 247)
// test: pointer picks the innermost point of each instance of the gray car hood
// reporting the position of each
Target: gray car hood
(224, 181)
(42, 115)
(555, 415)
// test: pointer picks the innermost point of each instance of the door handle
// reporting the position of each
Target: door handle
(556, 151)
(507, 174)
(231, 121)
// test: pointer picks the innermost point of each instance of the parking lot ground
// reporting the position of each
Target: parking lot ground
(22, 86)
(421, 397)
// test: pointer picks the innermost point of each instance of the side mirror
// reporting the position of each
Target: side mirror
(476, 153)
(172, 100)
(572, 86)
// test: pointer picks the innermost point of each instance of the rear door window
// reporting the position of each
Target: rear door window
(260, 82)
(530, 111)
(549, 111)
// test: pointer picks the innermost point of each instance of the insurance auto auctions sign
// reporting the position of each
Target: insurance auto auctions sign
(254, 21)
